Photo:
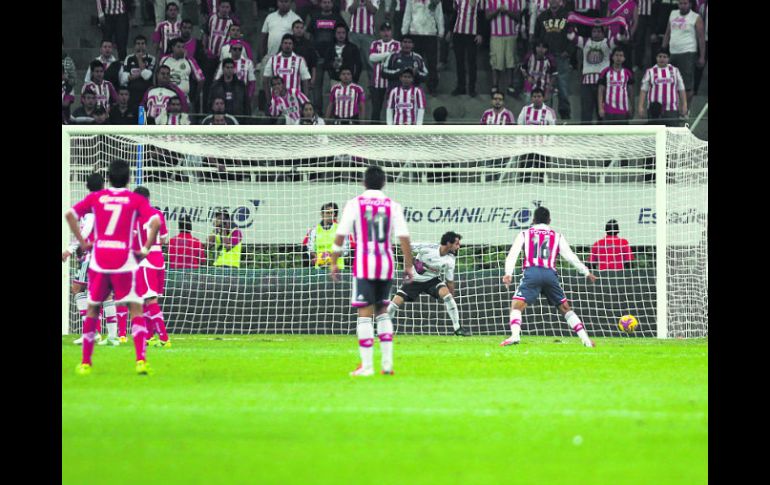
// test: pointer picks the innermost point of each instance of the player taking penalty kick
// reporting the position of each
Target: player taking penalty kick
(541, 246)
(113, 263)
(375, 218)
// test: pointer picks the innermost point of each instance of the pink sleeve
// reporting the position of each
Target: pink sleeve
(182, 98)
(248, 50)
(420, 99)
(252, 86)
(196, 70)
(113, 94)
(84, 206)
(331, 95)
(163, 231)
(156, 34)
(483, 117)
(363, 95)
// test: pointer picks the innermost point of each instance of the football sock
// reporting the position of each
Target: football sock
(577, 325)
(155, 316)
(89, 335)
(451, 308)
(365, 332)
(111, 319)
(122, 320)
(516, 324)
(139, 332)
(148, 322)
(385, 333)
(392, 310)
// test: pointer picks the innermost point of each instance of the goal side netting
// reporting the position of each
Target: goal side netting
(483, 183)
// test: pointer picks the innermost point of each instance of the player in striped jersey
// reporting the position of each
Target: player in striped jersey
(615, 99)
(375, 218)
(406, 103)
(430, 262)
(498, 114)
(537, 113)
(347, 101)
(541, 246)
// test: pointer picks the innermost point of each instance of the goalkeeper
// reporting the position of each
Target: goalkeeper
(430, 261)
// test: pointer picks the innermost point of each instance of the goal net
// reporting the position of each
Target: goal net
(481, 182)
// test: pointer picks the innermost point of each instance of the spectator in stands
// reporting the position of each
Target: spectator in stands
(235, 37)
(362, 14)
(291, 67)
(347, 101)
(440, 115)
(503, 17)
(104, 90)
(232, 90)
(596, 58)
(378, 54)
(112, 67)
(321, 29)
(185, 251)
(664, 91)
(537, 113)
(615, 99)
(214, 36)
(276, 25)
(156, 98)
(611, 252)
(226, 243)
(424, 20)
(67, 97)
(68, 64)
(122, 113)
(100, 116)
(218, 108)
(498, 114)
(219, 119)
(285, 105)
(704, 13)
(394, 14)
(685, 34)
(84, 115)
(661, 11)
(641, 32)
(210, 7)
(539, 71)
(168, 29)
(551, 27)
(304, 48)
(193, 45)
(466, 37)
(402, 59)
(590, 8)
(309, 117)
(161, 12)
(319, 239)
(342, 54)
(406, 102)
(113, 20)
(244, 70)
(173, 114)
(137, 72)
(185, 73)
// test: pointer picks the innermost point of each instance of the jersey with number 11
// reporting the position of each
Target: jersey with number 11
(115, 213)
(375, 219)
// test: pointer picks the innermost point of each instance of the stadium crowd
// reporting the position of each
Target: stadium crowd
(384, 59)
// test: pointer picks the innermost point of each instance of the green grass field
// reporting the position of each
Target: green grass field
(281, 409)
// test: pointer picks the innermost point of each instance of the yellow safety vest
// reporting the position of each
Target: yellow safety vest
(231, 258)
(324, 238)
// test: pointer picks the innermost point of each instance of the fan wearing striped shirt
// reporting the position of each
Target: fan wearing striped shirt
(541, 246)
(347, 101)
(406, 102)
(663, 90)
(615, 99)
(498, 114)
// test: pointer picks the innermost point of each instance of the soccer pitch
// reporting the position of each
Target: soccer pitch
(281, 409)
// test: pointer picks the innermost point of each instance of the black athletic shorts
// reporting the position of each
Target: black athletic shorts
(370, 292)
(412, 291)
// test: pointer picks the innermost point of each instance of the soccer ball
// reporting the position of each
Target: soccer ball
(627, 323)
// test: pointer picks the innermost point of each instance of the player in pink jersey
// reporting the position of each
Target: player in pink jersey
(151, 275)
(541, 246)
(375, 218)
(113, 262)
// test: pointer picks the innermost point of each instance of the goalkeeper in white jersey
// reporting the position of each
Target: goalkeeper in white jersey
(430, 262)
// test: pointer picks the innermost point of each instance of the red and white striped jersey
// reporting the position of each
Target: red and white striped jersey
(504, 117)
(165, 32)
(217, 34)
(404, 104)
(467, 16)
(380, 48)
(541, 246)
(662, 85)
(362, 22)
(289, 105)
(110, 7)
(615, 84)
(345, 100)
(292, 69)
(540, 70)
(105, 93)
(167, 118)
(181, 71)
(533, 116)
(503, 25)
(585, 5)
(645, 7)
(156, 99)
(375, 219)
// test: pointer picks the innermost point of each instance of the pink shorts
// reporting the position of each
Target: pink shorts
(123, 285)
(150, 282)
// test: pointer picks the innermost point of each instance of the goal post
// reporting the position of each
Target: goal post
(481, 181)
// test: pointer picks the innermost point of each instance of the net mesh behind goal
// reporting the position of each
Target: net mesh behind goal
(485, 187)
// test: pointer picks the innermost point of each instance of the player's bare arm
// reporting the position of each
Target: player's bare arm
(406, 248)
(72, 222)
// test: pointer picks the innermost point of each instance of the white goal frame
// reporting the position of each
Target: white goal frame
(659, 131)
